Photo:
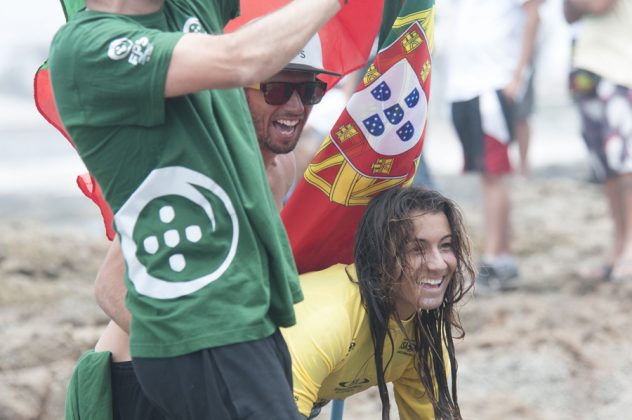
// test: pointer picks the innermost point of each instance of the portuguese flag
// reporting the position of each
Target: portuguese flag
(374, 145)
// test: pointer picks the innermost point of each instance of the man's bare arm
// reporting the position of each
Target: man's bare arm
(110, 289)
(576, 9)
(527, 50)
(249, 55)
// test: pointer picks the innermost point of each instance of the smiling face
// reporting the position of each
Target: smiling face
(431, 265)
(278, 127)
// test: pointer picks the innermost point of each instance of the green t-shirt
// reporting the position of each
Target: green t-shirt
(208, 260)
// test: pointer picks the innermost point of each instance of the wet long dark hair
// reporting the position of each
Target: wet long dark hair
(384, 233)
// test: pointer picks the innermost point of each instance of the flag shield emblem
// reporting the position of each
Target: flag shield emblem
(376, 142)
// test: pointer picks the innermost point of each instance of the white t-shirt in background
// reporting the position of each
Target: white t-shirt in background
(483, 44)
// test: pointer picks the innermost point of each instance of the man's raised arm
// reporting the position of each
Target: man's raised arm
(249, 55)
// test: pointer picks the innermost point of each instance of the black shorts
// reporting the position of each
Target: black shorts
(251, 380)
(484, 127)
(128, 400)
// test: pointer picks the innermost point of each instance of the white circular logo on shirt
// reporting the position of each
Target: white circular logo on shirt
(179, 232)
(120, 48)
(193, 25)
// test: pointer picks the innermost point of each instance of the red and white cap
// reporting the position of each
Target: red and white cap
(310, 59)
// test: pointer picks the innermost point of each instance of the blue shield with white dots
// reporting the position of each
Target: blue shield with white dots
(374, 125)
(381, 92)
(394, 114)
(412, 99)
(406, 132)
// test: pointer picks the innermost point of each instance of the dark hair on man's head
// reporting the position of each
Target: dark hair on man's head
(383, 236)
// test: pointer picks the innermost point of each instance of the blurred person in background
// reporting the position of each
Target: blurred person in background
(489, 57)
(601, 83)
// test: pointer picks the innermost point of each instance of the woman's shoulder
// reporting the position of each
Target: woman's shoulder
(334, 286)
(332, 301)
(339, 277)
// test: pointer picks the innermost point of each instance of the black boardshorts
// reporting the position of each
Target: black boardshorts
(243, 381)
(128, 400)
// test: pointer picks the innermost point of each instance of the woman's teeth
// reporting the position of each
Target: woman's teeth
(431, 282)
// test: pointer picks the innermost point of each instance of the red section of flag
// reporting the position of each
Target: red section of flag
(45, 103)
(320, 231)
(89, 187)
(373, 146)
(251, 9)
(346, 39)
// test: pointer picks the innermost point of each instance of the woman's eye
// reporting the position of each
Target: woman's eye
(446, 245)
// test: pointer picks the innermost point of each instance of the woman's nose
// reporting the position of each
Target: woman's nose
(435, 261)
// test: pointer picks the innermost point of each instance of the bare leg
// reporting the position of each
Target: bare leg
(621, 194)
(497, 208)
(522, 133)
(615, 202)
(497, 270)
(625, 190)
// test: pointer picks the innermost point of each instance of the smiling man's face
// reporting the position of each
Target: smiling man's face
(278, 127)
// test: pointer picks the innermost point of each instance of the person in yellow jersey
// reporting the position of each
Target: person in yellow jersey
(391, 317)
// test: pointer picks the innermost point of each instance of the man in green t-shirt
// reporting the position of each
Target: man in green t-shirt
(150, 100)
(279, 109)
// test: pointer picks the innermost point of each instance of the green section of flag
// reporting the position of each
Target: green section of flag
(398, 15)
(390, 13)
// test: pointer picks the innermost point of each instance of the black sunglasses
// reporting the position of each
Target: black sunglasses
(278, 93)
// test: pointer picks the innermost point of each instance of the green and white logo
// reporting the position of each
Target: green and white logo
(137, 52)
(120, 48)
(179, 232)
(193, 25)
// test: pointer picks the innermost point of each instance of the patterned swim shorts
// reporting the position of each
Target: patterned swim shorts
(606, 113)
